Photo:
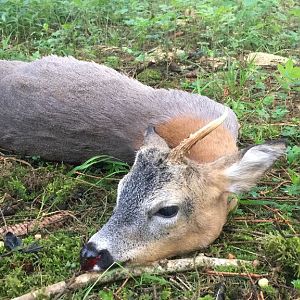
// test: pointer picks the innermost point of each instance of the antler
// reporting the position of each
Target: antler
(185, 146)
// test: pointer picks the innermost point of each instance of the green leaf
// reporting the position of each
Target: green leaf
(259, 202)
(268, 100)
(296, 284)
(289, 65)
(106, 295)
(295, 12)
(293, 154)
(148, 278)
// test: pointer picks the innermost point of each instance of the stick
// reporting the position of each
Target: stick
(233, 274)
(248, 220)
(7, 158)
(171, 266)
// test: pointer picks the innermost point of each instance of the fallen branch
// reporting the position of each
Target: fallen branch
(171, 266)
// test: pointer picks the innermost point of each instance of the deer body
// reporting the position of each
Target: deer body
(174, 199)
(67, 110)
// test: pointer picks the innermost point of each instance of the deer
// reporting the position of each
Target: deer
(182, 147)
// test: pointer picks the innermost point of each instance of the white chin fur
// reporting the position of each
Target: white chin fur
(96, 268)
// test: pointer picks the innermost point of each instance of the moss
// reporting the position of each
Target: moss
(56, 261)
(207, 297)
(113, 61)
(150, 76)
(285, 253)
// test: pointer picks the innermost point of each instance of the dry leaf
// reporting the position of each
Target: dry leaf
(265, 59)
(213, 62)
(231, 256)
(192, 74)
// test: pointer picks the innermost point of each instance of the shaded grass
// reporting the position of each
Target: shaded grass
(123, 35)
(34, 28)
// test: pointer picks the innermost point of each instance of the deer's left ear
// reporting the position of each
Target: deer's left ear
(251, 164)
(152, 139)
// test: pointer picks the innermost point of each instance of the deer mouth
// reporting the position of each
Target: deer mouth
(88, 264)
(93, 260)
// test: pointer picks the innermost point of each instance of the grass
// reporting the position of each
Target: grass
(208, 39)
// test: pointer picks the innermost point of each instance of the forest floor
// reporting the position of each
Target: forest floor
(199, 46)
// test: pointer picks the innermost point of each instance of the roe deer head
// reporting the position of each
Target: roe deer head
(168, 204)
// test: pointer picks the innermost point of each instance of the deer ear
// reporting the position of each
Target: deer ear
(152, 139)
(251, 165)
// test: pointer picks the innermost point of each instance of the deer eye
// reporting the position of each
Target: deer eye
(167, 211)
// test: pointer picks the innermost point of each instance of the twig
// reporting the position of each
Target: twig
(260, 296)
(237, 243)
(233, 274)
(3, 218)
(283, 124)
(121, 287)
(283, 219)
(88, 183)
(8, 158)
(274, 198)
(248, 220)
(186, 284)
(171, 266)
(252, 283)
(96, 177)
(275, 188)
(173, 280)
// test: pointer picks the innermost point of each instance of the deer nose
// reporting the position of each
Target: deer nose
(93, 259)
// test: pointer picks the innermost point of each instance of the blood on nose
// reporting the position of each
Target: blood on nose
(91, 257)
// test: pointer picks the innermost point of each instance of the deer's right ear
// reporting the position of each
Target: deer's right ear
(250, 165)
(152, 139)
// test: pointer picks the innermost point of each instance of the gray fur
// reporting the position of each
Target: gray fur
(67, 110)
(153, 183)
(253, 163)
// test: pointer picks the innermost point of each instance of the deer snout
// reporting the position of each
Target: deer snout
(92, 259)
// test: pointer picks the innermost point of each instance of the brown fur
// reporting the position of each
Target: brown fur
(218, 143)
